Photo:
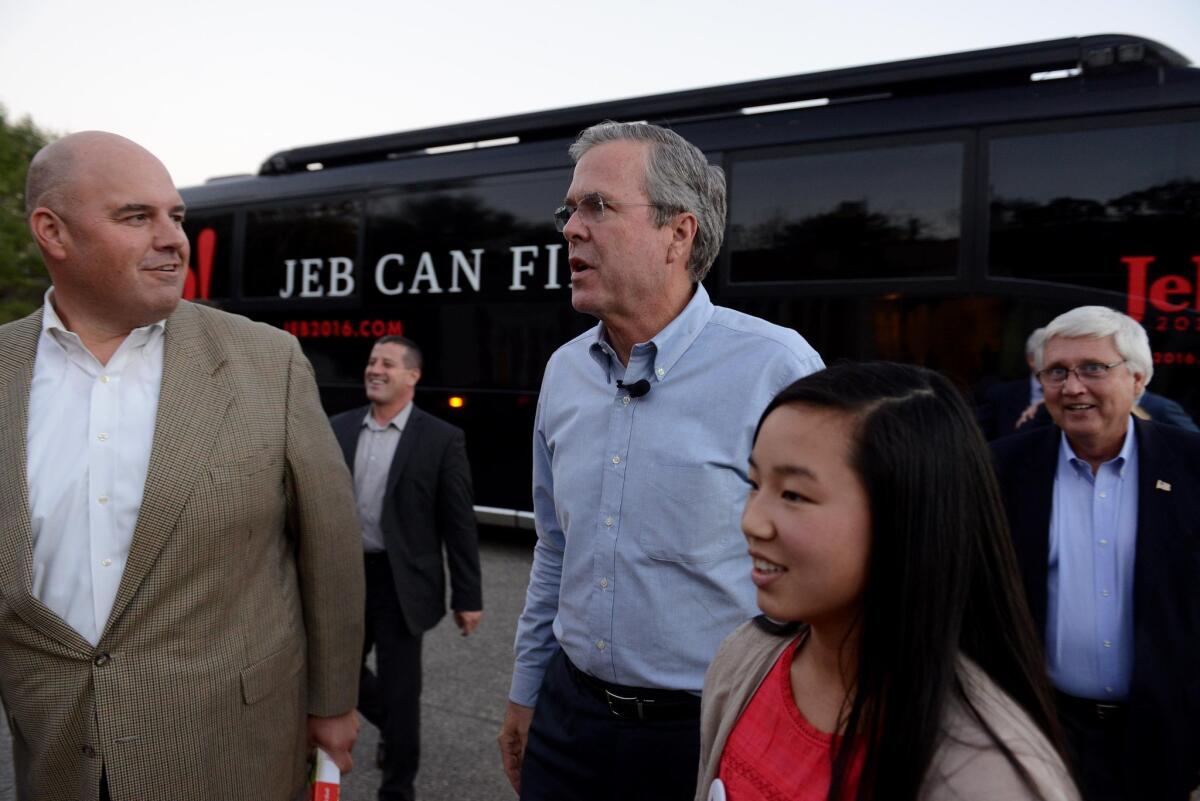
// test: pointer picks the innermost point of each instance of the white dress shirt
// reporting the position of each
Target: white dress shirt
(91, 427)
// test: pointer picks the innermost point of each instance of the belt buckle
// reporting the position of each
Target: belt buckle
(1106, 711)
(638, 703)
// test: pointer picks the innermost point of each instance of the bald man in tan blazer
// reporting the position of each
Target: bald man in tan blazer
(234, 637)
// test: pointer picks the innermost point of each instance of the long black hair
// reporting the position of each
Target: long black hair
(941, 577)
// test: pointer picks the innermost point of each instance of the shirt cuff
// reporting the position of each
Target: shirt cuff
(525, 686)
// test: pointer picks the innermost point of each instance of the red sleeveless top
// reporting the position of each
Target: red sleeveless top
(774, 754)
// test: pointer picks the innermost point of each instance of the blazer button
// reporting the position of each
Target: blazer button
(89, 752)
(101, 659)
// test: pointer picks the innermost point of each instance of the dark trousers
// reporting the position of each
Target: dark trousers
(579, 751)
(390, 698)
(1097, 751)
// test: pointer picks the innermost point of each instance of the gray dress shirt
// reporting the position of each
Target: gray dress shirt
(372, 461)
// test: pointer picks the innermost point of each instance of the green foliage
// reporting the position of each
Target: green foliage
(23, 278)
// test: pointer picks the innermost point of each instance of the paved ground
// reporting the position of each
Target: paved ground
(466, 684)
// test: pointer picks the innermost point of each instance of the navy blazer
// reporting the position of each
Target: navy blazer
(1163, 747)
(1001, 406)
(427, 506)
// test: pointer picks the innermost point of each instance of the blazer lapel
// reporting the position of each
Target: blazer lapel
(347, 431)
(1031, 523)
(18, 350)
(191, 405)
(412, 433)
(1160, 545)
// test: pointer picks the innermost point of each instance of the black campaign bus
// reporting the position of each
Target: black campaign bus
(931, 211)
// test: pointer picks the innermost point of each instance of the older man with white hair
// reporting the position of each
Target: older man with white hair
(1106, 523)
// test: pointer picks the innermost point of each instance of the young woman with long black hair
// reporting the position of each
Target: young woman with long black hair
(896, 658)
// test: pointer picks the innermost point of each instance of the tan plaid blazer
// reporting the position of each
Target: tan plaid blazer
(240, 608)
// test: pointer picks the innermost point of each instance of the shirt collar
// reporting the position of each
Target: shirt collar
(53, 325)
(669, 344)
(398, 422)
(1067, 453)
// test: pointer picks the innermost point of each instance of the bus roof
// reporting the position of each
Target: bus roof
(977, 69)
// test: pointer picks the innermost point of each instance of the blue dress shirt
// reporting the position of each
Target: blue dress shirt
(640, 568)
(1089, 599)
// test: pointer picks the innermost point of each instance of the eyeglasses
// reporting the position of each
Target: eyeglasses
(591, 208)
(1092, 371)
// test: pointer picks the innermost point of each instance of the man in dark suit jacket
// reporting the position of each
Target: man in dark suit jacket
(1004, 403)
(413, 488)
(1105, 518)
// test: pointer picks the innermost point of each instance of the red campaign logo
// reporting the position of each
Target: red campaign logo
(1168, 294)
(206, 246)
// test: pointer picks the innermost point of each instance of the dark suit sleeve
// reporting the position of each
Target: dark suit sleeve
(1164, 410)
(456, 519)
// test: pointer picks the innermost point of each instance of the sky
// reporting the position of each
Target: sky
(215, 87)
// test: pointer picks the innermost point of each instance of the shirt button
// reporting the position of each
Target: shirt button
(616, 460)
(104, 379)
(105, 562)
(103, 499)
(608, 521)
(660, 372)
(604, 582)
(1104, 495)
(1108, 689)
(101, 659)
(1105, 593)
(625, 400)
(102, 437)
(1104, 542)
(1108, 643)
(601, 645)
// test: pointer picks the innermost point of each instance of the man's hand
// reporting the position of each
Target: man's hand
(1030, 412)
(467, 621)
(336, 736)
(514, 732)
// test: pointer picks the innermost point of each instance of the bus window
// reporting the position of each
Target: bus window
(491, 236)
(880, 213)
(211, 238)
(478, 273)
(302, 251)
(1071, 206)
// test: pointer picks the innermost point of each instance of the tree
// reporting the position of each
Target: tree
(23, 278)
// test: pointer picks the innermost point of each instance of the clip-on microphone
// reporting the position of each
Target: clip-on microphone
(637, 389)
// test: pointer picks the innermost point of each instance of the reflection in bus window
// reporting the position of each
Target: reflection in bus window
(1067, 206)
(304, 251)
(880, 213)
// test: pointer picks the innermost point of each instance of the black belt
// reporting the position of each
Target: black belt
(638, 703)
(1089, 711)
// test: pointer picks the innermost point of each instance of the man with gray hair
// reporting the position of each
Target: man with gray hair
(641, 442)
(1106, 524)
(1004, 405)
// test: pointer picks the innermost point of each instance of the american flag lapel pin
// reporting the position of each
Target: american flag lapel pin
(1162, 485)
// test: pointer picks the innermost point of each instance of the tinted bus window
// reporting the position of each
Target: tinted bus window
(879, 213)
(304, 251)
(435, 254)
(1070, 206)
(211, 265)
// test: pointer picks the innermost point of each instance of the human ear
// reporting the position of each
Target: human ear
(49, 231)
(683, 234)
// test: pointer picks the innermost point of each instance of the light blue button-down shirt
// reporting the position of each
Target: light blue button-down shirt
(1089, 600)
(640, 569)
